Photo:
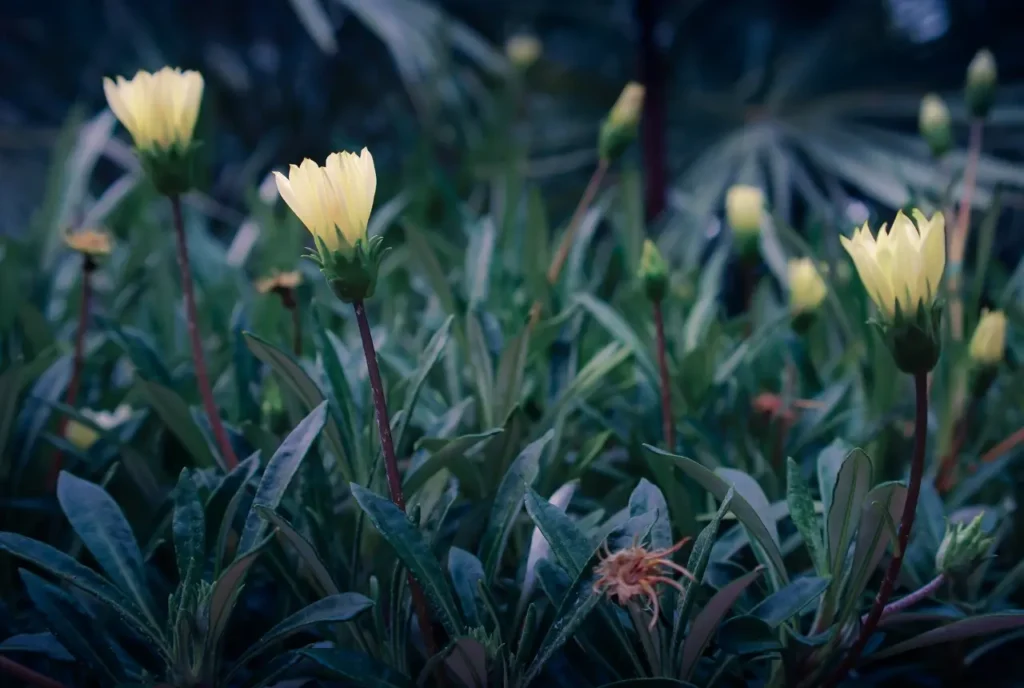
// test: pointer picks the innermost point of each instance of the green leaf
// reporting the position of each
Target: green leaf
(745, 512)
(652, 682)
(357, 667)
(482, 368)
(44, 643)
(508, 385)
(189, 530)
(87, 580)
(622, 331)
(801, 511)
(299, 383)
(414, 551)
(431, 354)
(709, 618)
(451, 450)
(73, 628)
(851, 488)
(36, 409)
(350, 427)
(342, 607)
(279, 473)
(962, 629)
(747, 635)
(224, 595)
(783, 605)
(435, 275)
(873, 536)
(175, 414)
(140, 350)
(830, 460)
(466, 572)
(646, 498)
(223, 494)
(99, 522)
(305, 549)
(508, 501)
(571, 547)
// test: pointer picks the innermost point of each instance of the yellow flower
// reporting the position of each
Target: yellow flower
(989, 339)
(523, 50)
(744, 209)
(89, 242)
(279, 281)
(158, 110)
(333, 201)
(628, 108)
(806, 287)
(83, 436)
(903, 265)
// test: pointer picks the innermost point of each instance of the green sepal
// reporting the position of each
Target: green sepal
(173, 170)
(352, 274)
(915, 341)
(614, 138)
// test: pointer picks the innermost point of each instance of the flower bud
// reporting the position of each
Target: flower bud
(934, 124)
(523, 50)
(653, 272)
(806, 287)
(989, 339)
(619, 129)
(962, 549)
(980, 90)
(744, 210)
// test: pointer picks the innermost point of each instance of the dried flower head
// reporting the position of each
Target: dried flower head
(635, 571)
(89, 242)
(279, 281)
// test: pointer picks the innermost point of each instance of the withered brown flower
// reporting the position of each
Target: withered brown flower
(635, 571)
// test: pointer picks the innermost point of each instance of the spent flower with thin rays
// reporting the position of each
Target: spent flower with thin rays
(989, 339)
(89, 242)
(334, 204)
(634, 572)
(160, 112)
(279, 281)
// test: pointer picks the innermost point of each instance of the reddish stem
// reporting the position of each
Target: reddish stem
(78, 362)
(958, 244)
(667, 426)
(202, 377)
(1003, 447)
(902, 537)
(289, 301)
(387, 446)
(30, 677)
(904, 603)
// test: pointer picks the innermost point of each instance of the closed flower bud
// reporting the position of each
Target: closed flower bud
(334, 204)
(989, 339)
(806, 287)
(653, 272)
(901, 271)
(160, 111)
(962, 549)
(523, 50)
(744, 210)
(934, 124)
(619, 129)
(980, 90)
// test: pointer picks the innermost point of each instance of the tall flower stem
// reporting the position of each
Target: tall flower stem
(23, 673)
(667, 426)
(88, 267)
(870, 622)
(387, 446)
(962, 230)
(291, 304)
(558, 262)
(202, 377)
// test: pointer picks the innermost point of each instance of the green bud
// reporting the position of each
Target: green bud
(173, 170)
(980, 90)
(914, 339)
(620, 127)
(962, 549)
(934, 124)
(653, 272)
(352, 274)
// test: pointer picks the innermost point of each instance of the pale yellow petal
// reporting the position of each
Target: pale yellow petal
(933, 250)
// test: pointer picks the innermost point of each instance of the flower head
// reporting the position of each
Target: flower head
(902, 267)
(634, 572)
(963, 548)
(523, 50)
(279, 281)
(89, 242)
(806, 287)
(653, 271)
(83, 436)
(989, 339)
(333, 201)
(158, 110)
(619, 128)
(934, 124)
(980, 89)
(744, 209)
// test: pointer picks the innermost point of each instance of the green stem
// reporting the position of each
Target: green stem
(903, 536)
(667, 426)
(202, 377)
